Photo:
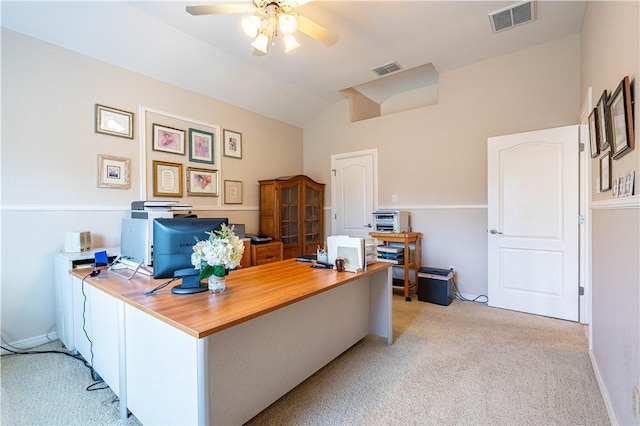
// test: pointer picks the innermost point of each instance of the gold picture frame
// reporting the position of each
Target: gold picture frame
(114, 122)
(167, 179)
(202, 182)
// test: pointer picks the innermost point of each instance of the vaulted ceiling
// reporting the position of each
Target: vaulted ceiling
(212, 55)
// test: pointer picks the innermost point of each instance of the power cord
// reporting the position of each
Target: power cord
(459, 295)
(94, 374)
(163, 285)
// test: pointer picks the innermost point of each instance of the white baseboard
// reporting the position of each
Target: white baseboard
(603, 390)
(31, 342)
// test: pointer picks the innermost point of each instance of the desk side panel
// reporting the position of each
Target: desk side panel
(162, 368)
(255, 363)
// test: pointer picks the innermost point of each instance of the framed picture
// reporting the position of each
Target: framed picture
(621, 120)
(593, 133)
(603, 126)
(115, 122)
(232, 143)
(615, 187)
(168, 139)
(200, 146)
(232, 192)
(167, 179)
(605, 172)
(113, 172)
(202, 182)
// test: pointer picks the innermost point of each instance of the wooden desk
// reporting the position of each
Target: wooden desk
(222, 358)
(407, 238)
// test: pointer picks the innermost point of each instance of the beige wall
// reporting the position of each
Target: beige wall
(610, 50)
(434, 158)
(49, 164)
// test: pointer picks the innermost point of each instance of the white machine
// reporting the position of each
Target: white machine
(393, 221)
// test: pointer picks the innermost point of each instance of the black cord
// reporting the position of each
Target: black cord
(459, 296)
(84, 323)
(163, 285)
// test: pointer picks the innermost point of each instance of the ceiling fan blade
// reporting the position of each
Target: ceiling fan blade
(220, 9)
(316, 31)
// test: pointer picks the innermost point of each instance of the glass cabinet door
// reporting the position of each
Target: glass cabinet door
(289, 206)
(312, 215)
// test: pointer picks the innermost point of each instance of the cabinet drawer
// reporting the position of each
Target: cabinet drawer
(266, 253)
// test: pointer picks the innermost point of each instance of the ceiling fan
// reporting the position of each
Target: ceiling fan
(267, 19)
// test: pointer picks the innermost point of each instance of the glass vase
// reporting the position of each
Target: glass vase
(217, 282)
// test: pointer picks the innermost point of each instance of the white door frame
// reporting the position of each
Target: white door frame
(585, 211)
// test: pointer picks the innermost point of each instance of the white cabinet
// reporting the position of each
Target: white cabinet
(65, 325)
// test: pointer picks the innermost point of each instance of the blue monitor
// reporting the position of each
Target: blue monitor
(173, 241)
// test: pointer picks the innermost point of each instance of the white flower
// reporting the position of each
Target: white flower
(222, 248)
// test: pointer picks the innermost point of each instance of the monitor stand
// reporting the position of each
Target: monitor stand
(190, 282)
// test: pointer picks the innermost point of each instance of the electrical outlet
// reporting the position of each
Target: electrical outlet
(635, 402)
(394, 198)
(452, 268)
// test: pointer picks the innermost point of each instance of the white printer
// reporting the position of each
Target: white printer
(391, 221)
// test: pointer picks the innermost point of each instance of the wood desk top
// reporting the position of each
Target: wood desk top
(250, 292)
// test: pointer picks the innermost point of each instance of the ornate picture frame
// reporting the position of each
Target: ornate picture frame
(114, 122)
(114, 172)
(201, 146)
(168, 139)
(620, 117)
(202, 182)
(232, 143)
(167, 179)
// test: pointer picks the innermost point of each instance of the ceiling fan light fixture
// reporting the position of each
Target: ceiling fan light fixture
(251, 25)
(261, 43)
(290, 42)
(288, 23)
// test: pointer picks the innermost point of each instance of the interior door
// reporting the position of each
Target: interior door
(533, 222)
(353, 193)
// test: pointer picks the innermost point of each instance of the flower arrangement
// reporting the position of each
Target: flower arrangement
(223, 250)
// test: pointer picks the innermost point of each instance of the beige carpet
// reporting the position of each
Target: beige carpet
(458, 364)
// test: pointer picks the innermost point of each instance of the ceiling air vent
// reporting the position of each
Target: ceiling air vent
(517, 14)
(387, 69)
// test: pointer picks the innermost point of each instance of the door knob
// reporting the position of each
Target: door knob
(368, 225)
(494, 231)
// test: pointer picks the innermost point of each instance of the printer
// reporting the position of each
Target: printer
(391, 221)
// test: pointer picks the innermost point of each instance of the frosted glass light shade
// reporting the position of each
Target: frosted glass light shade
(251, 25)
(261, 43)
(290, 43)
(288, 23)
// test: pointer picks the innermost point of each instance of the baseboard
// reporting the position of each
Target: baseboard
(32, 342)
(603, 390)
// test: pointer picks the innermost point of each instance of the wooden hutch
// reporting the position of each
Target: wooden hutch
(291, 211)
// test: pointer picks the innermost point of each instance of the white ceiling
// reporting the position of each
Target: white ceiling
(211, 55)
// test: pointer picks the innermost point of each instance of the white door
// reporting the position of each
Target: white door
(353, 193)
(533, 222)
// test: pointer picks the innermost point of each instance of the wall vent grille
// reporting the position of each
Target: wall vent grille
(387, 69)
(512, 16)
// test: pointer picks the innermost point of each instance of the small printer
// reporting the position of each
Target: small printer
(391, 221)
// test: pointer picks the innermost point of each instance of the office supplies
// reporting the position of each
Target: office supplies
(391, 221)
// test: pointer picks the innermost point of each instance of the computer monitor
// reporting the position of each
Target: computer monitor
(173, 241)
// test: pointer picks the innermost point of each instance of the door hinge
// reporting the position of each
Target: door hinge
(580, 219)
(581, 291)
(581, 146)
(335, 216)
(334, 172)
